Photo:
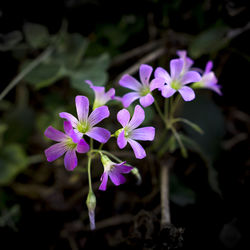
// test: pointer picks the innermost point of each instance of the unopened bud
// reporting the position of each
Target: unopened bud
(91, 204)
(136, 173)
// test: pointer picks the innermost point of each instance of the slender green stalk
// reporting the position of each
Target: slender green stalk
(191, 124)
(166, 107)
(89, 166)
(159, 111)
(26, 71)
(174, 105)
(183, 149)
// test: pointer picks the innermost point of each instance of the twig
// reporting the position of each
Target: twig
(146, 59)
(27, 70)
(138, 51)
(165, 210)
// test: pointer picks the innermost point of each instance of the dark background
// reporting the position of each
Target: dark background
(51, 211)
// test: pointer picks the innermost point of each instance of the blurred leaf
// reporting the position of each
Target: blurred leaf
(44, 74)
(36, 35)
(179, 193)
(70, 50)
(20, 122)
(13, 160)
(10, 40)
(169, 145)
(207, 145)
(93, 69)
(209, 41)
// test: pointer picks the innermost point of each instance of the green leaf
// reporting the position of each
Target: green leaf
(207, 145)
(93, 69)
(20, 122)
(44, 74)
(209, 41)
(180, 193)
(13, 160)
(36, 35)
(10, 40)
(70, 50)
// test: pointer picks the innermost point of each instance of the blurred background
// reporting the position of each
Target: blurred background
(47, 51)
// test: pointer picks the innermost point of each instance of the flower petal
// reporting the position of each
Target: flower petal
(129, 98)
(104, 180)
(99, 134)
(55, 134)
(156, 83)
(130, 82)
(121, 140)
(70, 132)
(138, 117)
(122, 168)
(143, 134)
(82, 107)
(209, 79)
(145, 72)
(69, 118)
(209, 67)
(111, 93)
(70, 160)
(137, 148)
(187, 93)
(190, 76)
(146, 100)
(55, 151)
(123, 117)
(167, 91)
(82, 146)
(176, 66)
(116, 177)
(98, 115)
(162, 73)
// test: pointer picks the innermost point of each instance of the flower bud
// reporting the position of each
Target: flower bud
(91, 204)
(136, 173)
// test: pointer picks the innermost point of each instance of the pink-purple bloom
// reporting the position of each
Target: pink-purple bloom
(101, 97)
(177, 80)
(208, 80)
(130, 133)
(188, 62)
(114, 171)
(69, 142)
(85, 124)
(142, 90)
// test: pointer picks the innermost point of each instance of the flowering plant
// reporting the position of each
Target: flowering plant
(172, 87)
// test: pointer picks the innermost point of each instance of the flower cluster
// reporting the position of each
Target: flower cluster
(180, 75)
(80, 130)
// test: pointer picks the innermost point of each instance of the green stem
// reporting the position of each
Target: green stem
(89, 166)
(166, 107)
(26, 71)
(159, 111)
(174, 105)
(182, 147)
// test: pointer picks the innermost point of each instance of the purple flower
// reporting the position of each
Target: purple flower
(188, 62)
(69, 143)
(177, 80)
(208, 80)
(142, 90)
(101, 98)
(85, 124)
(114, 171)
(130, 133)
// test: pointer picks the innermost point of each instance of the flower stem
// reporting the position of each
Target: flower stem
(89, 166)
(165, 209)
(159, 111)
